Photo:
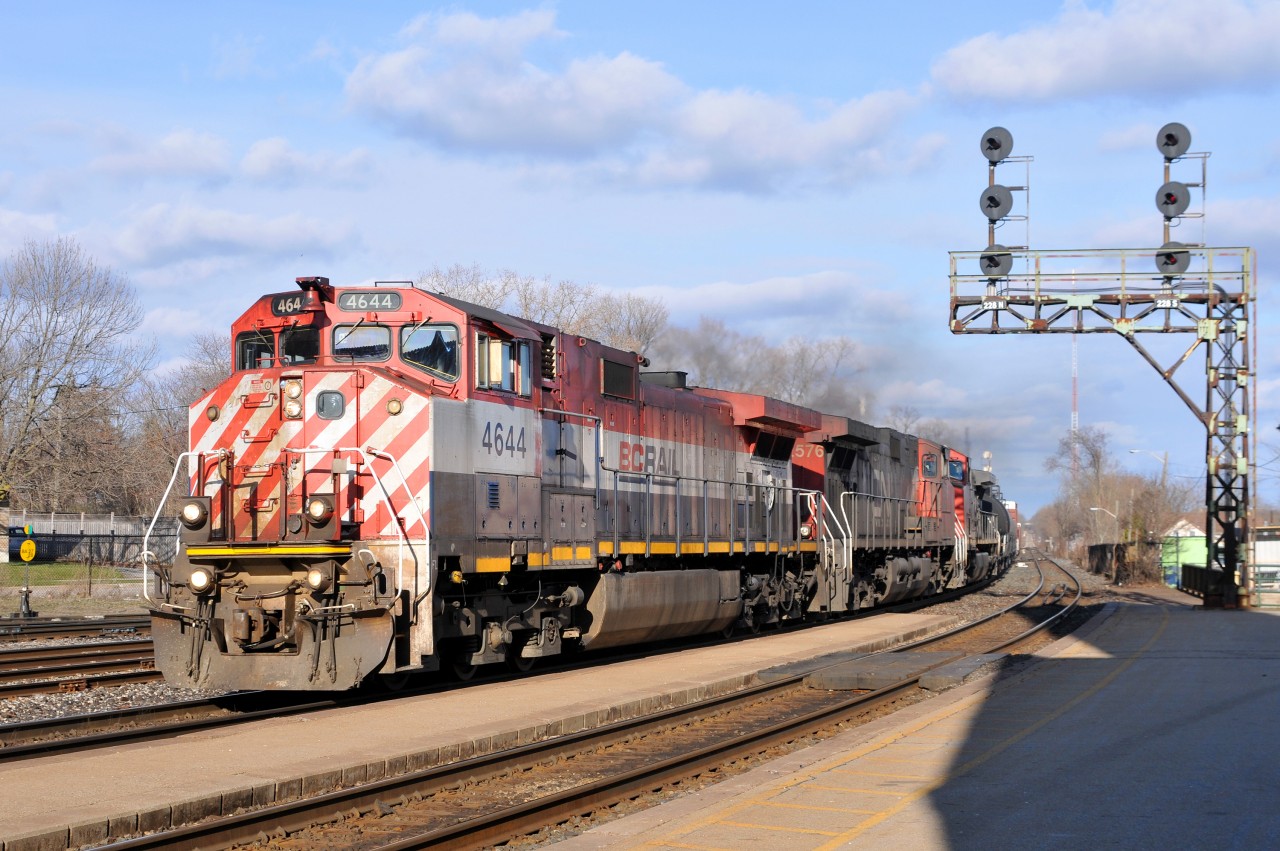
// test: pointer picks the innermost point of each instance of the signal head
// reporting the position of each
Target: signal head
(996, 261)
(1173, 140)
(1173, 258)
(1172, 199)
(997, 143)
(996, 201)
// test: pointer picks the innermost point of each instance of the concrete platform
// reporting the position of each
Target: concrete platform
(71, 800)
(1157, 726)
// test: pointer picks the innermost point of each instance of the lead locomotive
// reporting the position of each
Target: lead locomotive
(394, 481)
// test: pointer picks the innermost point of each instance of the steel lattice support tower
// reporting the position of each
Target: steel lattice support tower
(1216, 304)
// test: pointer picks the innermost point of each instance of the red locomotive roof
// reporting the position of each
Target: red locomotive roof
(842, 428)
(762, 411)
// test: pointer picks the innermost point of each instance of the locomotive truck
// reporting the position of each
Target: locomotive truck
(393, 481)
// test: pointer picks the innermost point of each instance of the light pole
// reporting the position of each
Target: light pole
(1115, 547)
(1164, 464)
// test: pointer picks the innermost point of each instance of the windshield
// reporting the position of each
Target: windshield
(255, 350)
(299, 345)
(361, 342)
(433, 348)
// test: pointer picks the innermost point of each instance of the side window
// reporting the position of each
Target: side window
(361, 342)
(299, 345)
(434, 348)
(929, 466)
(503, 364)
(955, 469)
(255, 350)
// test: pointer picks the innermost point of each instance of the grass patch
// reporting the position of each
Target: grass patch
(57, 573)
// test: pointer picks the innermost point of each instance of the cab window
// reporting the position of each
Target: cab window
(955, 469)
(255, 350)
(299, 345)
(502, 364)
(433, 348)
(929, 466)
(360, 342)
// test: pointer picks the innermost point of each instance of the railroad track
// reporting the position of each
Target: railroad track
(496, 797)
(25, 629)
(70, 733)
(74, 667)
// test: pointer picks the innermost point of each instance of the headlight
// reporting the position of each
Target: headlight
(212, 412)
(806, 531)
(394, 406)
(194, 514)
(319, 509)
(318, 579)
(293, 409)
(201, 580)
(293, 389)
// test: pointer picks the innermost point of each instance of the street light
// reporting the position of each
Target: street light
(1115, 547)
(1164, 463)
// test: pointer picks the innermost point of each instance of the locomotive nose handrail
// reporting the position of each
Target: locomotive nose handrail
(403, 541)
(164, 499)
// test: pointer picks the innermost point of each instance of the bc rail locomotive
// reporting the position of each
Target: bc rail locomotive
(393, 481)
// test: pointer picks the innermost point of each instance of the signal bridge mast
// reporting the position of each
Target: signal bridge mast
(1201, 292)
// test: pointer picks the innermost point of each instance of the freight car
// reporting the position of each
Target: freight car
(393, 481)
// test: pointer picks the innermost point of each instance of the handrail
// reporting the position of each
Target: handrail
(146, 550)
(403, 537)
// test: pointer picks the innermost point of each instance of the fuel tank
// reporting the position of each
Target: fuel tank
(629, 608)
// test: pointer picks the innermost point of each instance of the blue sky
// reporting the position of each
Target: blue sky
(786, 168)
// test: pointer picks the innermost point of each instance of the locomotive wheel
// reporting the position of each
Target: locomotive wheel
(395, 682)
(463, 669)
(519, 664)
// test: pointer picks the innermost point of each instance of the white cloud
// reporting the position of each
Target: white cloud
(1138, 47)
(784, 306)
(166, 233)
(172, 321)
(237, 58)
(275, 161)
(183, 153)
(16, 227)
(466, 83)
(1131, 138)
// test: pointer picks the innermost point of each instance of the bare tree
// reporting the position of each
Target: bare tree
(632, 322)
(469, 283)
(627, 321)
(68, 348)
(158, 423)
(820, 373)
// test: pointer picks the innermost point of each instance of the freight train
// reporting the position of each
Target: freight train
(394, 481)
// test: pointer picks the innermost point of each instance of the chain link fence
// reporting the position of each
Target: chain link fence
(81, 555)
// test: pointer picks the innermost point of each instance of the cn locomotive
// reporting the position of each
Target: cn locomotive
(394, 481)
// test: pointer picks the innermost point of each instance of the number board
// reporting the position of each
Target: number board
(289, 304)
(360, 300)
